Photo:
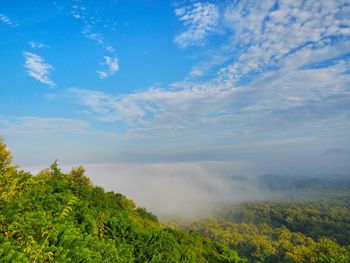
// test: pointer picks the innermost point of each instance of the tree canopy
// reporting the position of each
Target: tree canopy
(63, 217)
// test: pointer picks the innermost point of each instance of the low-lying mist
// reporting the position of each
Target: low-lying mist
(197, 189)
(186, 189)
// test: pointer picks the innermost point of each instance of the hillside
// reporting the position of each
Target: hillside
(62, 217)
(309, 223)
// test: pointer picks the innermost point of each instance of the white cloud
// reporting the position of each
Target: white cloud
(7, 20)
(300, 76)
(213, 59)
(200, 19)
(38, 45)
(90, 34)
(258, 106)
(110, 49)
(166, 108)
(112, 67)
(76, 15)
(291, 88)
(92, 26)
(47, 126)
(38, 69)
(42, 126)
(264, 35)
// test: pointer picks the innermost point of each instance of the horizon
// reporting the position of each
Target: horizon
(175, 131)
(254, 87)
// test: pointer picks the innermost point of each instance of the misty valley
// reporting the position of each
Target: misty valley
(175, 131)
(54, 216)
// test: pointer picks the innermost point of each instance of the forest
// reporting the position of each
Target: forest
(62, 217)
(308, 221)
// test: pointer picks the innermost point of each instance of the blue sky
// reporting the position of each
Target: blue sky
(170, 81)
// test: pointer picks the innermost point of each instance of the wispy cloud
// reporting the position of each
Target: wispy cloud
(7, 20)
(281, 68)
(92, 25)
(38, 69)
(112, 65)
(38, 45)
(90, 34)
(200, 19)
(156, 107)
(47, 126)
(301, 94)
(42, 126)
(265, 33)
(92, 28)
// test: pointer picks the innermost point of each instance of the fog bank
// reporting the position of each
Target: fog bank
(188, 189)
(193, 189)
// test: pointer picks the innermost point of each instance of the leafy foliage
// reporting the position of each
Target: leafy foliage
(62, 217)
(309, 223)
(313, 218)
(263, 243)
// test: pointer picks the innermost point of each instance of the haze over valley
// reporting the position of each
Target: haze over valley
(175, 131)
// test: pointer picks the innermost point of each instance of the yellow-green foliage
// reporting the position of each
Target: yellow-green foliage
(59, 217)
(263, 243)
(314, 218)
(63, 217)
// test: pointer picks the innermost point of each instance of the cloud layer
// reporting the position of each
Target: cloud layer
(268, 32)
(286, 69)
(42, 126)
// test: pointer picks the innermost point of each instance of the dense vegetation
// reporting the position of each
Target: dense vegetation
(62, 217)
(310, 222)
(264, 243)
(313, 218)
(332, 189)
